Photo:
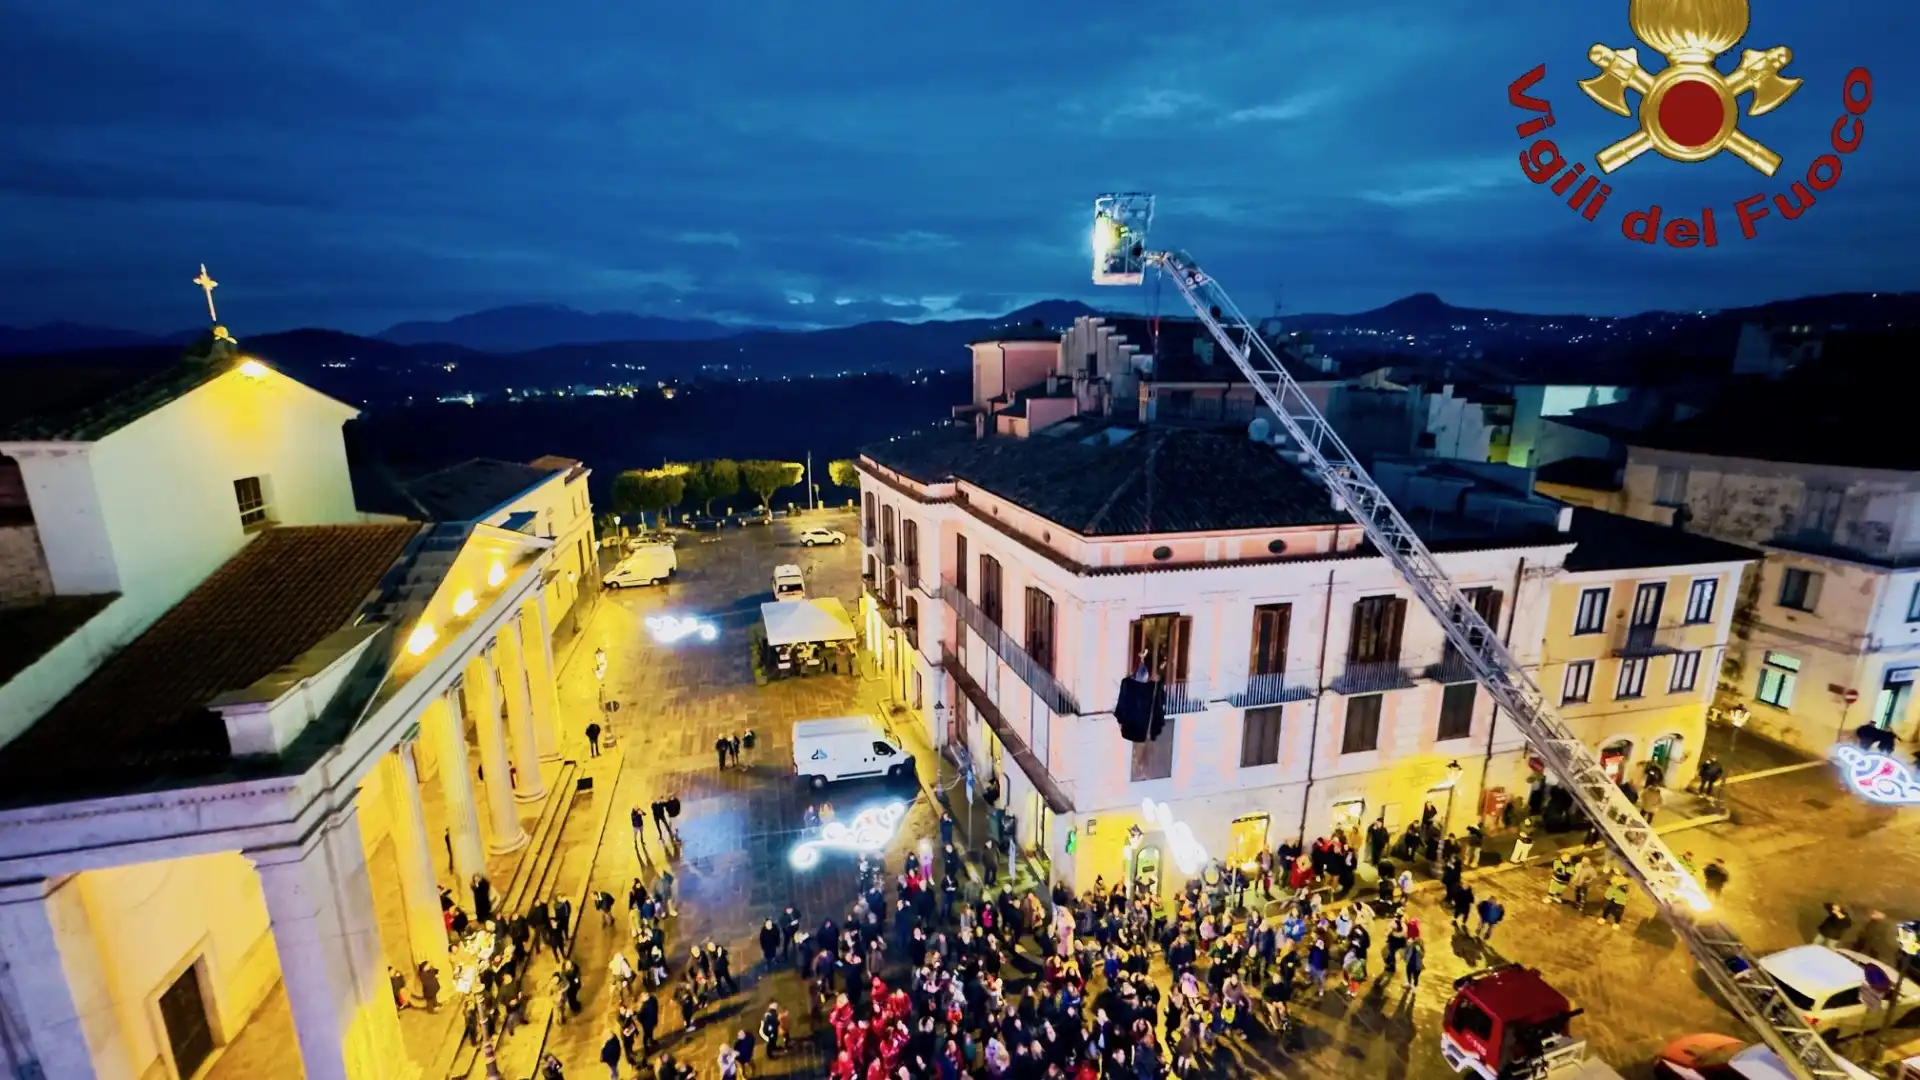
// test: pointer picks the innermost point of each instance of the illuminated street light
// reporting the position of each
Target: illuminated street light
(668, 629)
(1453, 782)
(421, 639)
(253, 369)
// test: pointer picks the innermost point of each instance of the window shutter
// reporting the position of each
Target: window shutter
(1182, 631)
(1397, 621)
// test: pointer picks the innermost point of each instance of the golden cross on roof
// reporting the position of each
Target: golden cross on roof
(207, 285)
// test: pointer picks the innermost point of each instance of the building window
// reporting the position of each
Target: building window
(1159, 644)
(1913, 604)
(1686, 672)
(1456, 711)
(1486, 604)
(1700, 599)
(1154, 760)
(919, 688)
(1260, 736)
(1247, 839)
(1578, 684)
(250, 492)
(1363, 724)
(1648, 599)
(1777, 678)
(866, 533)
(1269, 653)
(911, 620)
(1040, 628)
(910, 550)
(1591, 617)
(1670, 487)
(1633, 678)
(1800, 589)
(1820, 511)
(1377, 623)
(960, 564)
(889, 551)
(990, 589)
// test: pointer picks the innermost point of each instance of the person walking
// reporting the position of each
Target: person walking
(769, 943)
(1833, 927)
(639, 823)
(1616, 900)
(1715, 876)
(1462, 908)
(720, 747)
(649, 1017)
(593, 738)
(610, 1054)
(1583, 874)
(1416, 963)
(1491, 912)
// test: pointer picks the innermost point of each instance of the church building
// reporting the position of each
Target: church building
(249, 729)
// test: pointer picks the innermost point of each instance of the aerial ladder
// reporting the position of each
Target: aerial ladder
(1121, 257)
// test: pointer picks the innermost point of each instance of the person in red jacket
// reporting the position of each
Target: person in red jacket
(843, 1068)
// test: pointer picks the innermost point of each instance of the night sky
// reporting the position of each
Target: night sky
(353, 164)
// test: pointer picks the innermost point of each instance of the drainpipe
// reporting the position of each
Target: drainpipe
(1313, 737)
(1005, 391)
(1513, 614)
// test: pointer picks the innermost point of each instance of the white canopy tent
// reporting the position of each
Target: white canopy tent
(791, 622)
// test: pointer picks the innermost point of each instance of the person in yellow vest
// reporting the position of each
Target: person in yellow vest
(1616, 899)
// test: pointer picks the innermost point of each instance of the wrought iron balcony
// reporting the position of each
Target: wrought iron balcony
(1452, 668)
(1277, 688)
(1374, 677)
(1648, 640)
(1189, 696)
(1025, 667)
(1058, 797)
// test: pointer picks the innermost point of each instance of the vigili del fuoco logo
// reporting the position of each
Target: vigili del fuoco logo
(1688, 110)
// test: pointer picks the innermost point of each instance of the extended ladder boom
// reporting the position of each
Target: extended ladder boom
(1728, 965)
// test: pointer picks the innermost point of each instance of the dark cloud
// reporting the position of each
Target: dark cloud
(357, 164)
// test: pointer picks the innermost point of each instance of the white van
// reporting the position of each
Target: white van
(649, 565)
(788, 583)
(846, 748)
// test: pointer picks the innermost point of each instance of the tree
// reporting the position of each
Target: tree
(706, 481)
(640, 491)
(843, 474)
(763, 478)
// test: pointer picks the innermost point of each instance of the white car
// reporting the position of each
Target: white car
(1829, 987)
(821, 535)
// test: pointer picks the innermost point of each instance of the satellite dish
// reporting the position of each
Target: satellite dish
(1258, 429)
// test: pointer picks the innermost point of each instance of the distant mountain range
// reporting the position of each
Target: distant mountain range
(534, 348)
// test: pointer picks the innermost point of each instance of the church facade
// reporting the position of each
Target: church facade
(250, 730)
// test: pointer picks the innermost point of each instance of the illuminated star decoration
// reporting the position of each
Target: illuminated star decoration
(1877, 777)
(870, 831)
(667, 629)
(1188, 853)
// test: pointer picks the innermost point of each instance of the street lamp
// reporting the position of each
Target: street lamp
(1738, 717)
(470, 960)
(1453, 782)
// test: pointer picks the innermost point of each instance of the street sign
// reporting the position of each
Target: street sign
(1850, 696)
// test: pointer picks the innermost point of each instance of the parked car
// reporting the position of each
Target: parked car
(1722, 1057)
(1829, 988)
(706, 524)
(820, 534)
(752, 517)
(649, 539)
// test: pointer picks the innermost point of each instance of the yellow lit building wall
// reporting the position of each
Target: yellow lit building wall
(1661, 720)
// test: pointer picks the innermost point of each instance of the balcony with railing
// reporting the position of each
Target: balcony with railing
(1031, 762)
(1024, 667)
(1378, 676)
(1652, 640)
(1451, 668)
(1276, 688)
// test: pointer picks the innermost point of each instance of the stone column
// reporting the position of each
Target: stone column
(542, 678)
(53, 984)
(325, 931)
(448, 729)
(413, 850)
(483, 712)
(521, 739)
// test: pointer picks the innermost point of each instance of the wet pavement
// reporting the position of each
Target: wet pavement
(1792, 841)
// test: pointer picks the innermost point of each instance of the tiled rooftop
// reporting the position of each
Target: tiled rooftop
(90, 396)
(473, 489)
(141, 721)
(1093, 478)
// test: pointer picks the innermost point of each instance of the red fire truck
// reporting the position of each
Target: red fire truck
(1506, 1023)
